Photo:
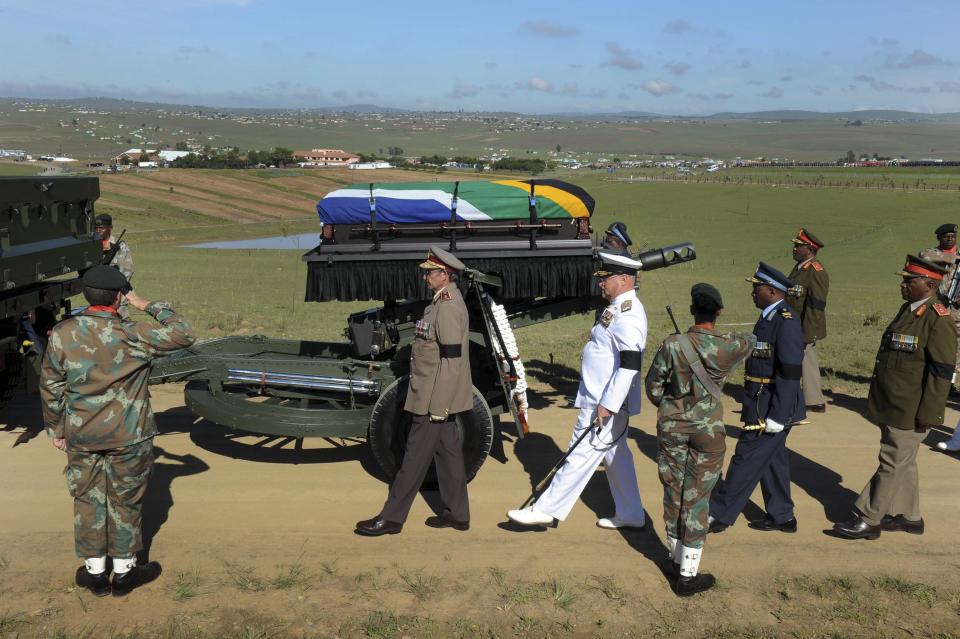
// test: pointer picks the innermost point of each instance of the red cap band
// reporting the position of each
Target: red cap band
(922, 272)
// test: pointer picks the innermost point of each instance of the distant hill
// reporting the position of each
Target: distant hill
(869, 114)
(117, 104)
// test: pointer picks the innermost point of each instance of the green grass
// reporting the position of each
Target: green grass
(867, 233)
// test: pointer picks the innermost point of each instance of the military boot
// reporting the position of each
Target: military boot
(689, 582)
(134, 578)
(98, 585)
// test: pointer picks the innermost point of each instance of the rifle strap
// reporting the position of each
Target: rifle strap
(696, 365)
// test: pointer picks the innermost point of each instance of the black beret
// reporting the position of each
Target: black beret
(104, 219)
(106, 278)
(943, 229)
(705, 291)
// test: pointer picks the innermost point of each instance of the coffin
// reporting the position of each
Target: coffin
(536, 234)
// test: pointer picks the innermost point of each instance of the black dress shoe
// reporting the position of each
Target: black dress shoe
(768, 524)
(444, 522)
(901, 524)
(717, 526)
(377, 526)
(135, 577)
(98, 585)
(857, 528)
(687, 586)
(817, 408)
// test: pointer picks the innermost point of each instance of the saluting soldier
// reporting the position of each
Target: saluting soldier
(908, 394)
(685, 383)
(772, 402)
(96, 407)
(440, 387)
(116, 253)
(808, 298)
(617, 240)
(608, 395)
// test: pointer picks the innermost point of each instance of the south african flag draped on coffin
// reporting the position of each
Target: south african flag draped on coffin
(375, 235)
(478, 201)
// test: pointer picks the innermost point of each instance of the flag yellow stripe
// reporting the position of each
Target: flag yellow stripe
(568, 202)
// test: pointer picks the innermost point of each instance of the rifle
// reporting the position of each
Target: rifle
(676, 328)
(954, 287)
(111, 252)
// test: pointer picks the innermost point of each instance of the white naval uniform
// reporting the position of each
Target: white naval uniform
(621, 327)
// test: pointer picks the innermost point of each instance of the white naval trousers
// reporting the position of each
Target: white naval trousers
(572, 478)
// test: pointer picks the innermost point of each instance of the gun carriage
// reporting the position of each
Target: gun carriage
(46, 237)
(529, 255)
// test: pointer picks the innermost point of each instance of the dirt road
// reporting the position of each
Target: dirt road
(249, 526)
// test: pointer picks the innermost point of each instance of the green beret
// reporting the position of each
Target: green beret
(104, 219)
(943, 229)
(702, 292)
(106, 278)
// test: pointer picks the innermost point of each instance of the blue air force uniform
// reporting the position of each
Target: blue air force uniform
(772, 401)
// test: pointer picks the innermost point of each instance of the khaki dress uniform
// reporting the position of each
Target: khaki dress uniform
(440, 387)
(909, 388)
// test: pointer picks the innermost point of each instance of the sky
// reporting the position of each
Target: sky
(607, 56)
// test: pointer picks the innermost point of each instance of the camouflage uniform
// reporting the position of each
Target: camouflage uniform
(123, 262)
(690, 430)
(949, 261)
(94, 392)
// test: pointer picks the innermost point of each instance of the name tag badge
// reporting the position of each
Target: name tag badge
(762, 350)
(904, 343)
(422, 329)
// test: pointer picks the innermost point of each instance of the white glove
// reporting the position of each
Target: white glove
(772, 426)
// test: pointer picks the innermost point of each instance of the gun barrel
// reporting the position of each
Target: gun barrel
(667, 256)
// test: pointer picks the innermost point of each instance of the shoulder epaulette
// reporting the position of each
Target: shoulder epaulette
(445, 295)
(940, 309)
(786, 313)
(817, 266)
(626, 305)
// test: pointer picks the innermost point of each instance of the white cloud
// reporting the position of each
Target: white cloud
(548, 29)
(774, 92)
(536, 84)
(622, 58)
(464, 90)
(677, 27)
(660, 88)
(677, 68)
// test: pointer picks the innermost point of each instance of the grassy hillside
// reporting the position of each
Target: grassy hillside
(867, 231)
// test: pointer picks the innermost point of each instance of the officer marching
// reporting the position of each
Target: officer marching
(808, 298)
(908, 394)
(772, 402)
(440, 387)
(609, 393)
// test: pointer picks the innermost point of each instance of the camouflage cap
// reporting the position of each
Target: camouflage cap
(104, 219)
(439, 258)
(704, 291)
(106, 278)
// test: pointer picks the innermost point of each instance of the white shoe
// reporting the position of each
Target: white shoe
(613, 523)
(949, 446)
(530, 517)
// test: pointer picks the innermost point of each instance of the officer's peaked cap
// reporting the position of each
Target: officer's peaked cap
(806, 237)
(440, 258)
(615, 264)
(919, 267)
(619, 230)
(770, 276)
(106, 278)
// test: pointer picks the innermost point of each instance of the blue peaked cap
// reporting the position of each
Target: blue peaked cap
(766, 274)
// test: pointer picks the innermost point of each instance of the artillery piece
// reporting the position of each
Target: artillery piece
(529, 253)
(46, 237)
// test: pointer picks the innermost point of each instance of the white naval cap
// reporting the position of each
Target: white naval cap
(614, 264)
